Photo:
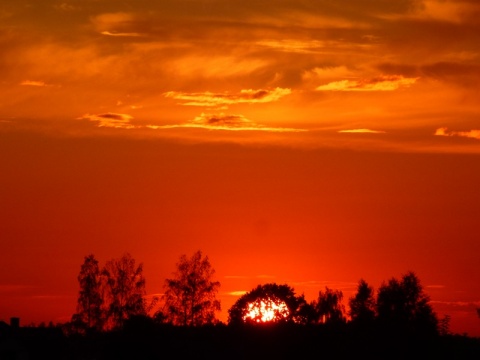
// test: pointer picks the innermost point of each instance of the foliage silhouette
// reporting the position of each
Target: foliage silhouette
(444, 325)
(190, 297)
(124, 290)
(89, 314)
(404, 305)
(279, 301)
(401, 304)
(329, 307)
(362, 304)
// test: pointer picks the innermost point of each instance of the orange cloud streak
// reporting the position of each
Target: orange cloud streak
(362, 131)
(474, 134)
(110, 120)
(382, 83)
(209, 99)
(225, 122)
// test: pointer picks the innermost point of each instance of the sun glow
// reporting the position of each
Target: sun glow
(266, 310)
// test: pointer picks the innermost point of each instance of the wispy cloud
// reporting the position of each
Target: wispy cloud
(65, 7)
(221, 121)
(457, 303)
(33, 83)
(121, 34)
(209, 99)
(328, 72)
(225, 122)
(381, 83)
(237, 293)
(474, 134)
(296, 46)
(435, 286)
(110, 120)
(361, 131)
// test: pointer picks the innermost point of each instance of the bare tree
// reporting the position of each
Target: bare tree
(190, 296)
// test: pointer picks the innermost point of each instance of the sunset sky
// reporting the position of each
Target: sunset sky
(307, 142)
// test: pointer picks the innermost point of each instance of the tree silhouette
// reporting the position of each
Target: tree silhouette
(444, 325)
(190, 297)
(403, 304)
(270, 303)
(362, 304)
(329, 307)
(89, 303)
(124, 289)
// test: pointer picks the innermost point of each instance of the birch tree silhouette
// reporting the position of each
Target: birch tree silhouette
(89, 315)
(123, 289)
(190, 296)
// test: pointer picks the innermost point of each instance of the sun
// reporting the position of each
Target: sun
(266, 310)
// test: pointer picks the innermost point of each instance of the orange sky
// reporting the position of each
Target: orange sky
(313, 143)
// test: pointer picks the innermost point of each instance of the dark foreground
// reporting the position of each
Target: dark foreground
(141, 341)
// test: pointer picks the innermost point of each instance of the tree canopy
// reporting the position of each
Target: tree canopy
(403, 304)
(190, 296)
(109, 296)
(124, 289)
(329, 307)
(269, 303)
(90, 300)
(362, 304)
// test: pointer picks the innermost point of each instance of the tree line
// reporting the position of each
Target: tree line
(112, 295)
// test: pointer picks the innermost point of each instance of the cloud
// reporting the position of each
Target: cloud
(450, 11)
(461, 71)
(110, 120)
(458, 303)
(219, 121)
(435, 286)
(381, 83)
(474, 134)
(296, 46)
(225, 122)
(65, 7)
(209, 99)
(119, 24)
(33, 83)
(120, 34)
(328, 72)
(362, 131)
(237, 293)
(313, 46)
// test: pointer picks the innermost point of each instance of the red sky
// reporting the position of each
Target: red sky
(308, 143)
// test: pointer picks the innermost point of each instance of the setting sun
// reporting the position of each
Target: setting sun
(267, 310)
